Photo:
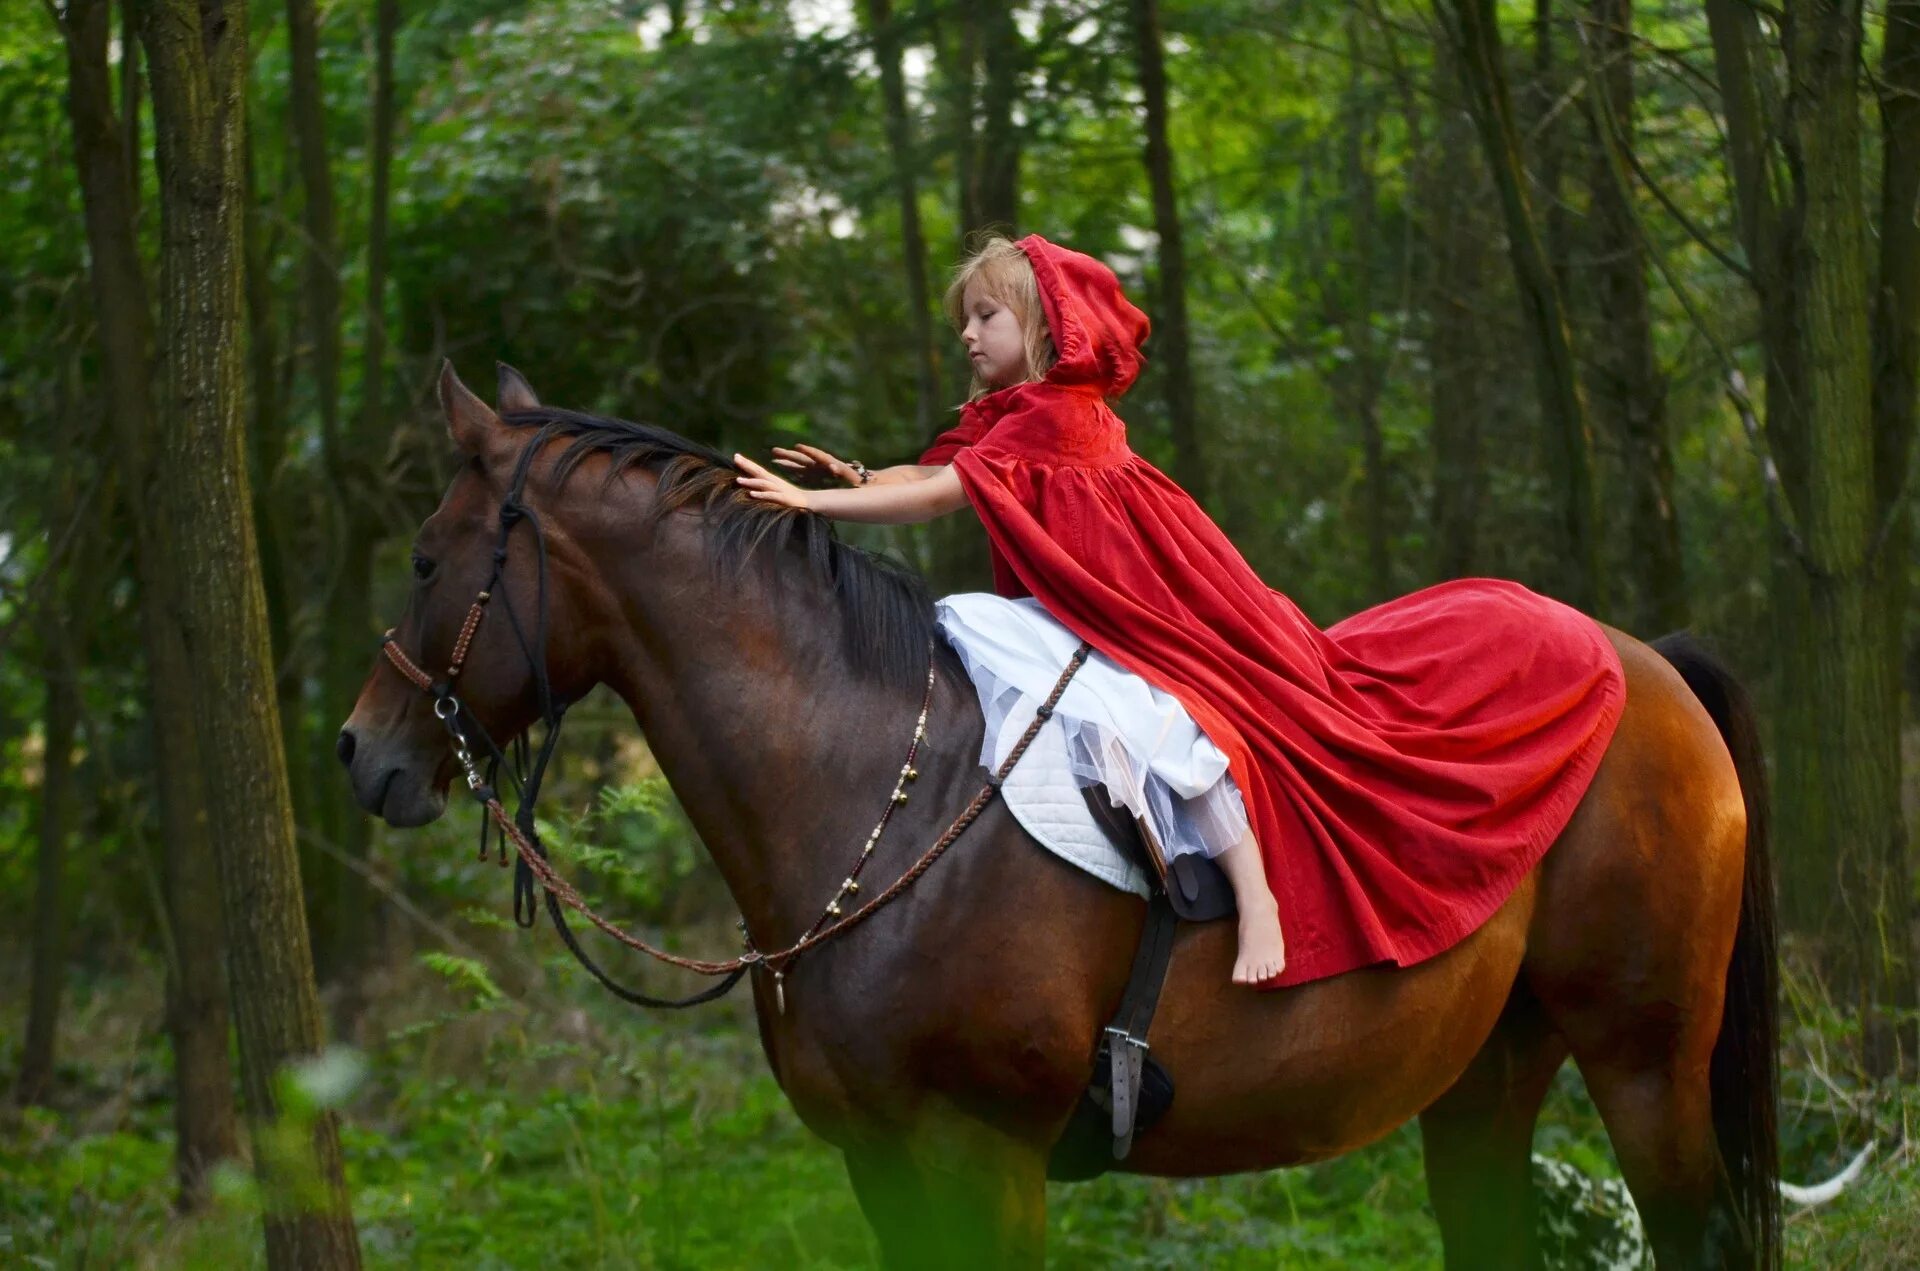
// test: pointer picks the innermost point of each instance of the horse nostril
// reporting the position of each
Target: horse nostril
(344, 747)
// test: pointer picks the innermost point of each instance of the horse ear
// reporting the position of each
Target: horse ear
(515, 393)
(470, 422)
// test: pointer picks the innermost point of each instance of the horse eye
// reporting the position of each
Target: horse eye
(422, 567)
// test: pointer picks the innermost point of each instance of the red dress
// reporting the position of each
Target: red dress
(1402, 770)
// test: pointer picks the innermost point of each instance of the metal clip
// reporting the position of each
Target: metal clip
(447, 711)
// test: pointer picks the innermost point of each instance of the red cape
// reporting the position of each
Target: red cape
(1402, 770)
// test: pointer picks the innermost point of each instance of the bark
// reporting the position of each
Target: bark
(205, 1124)
(354, 936)
(196, 57)
(1456, 331)
(317, 219)
(374, 373)
(266, 443)
(1629, 395)
(1550, 141)
(1362, 371)
(913, 244)
(1896, 400)
(1840, 434)
(1172, 343)
(1562, 405)
(331, 814)
(957, 51)
(958, 556)
(130, 101)
(997, 163)
(49, 965)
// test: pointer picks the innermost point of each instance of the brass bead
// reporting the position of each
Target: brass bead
(834, 909)
(913, 774)
(899, 796)
(850, 887)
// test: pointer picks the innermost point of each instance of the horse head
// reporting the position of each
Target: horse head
(503, 551)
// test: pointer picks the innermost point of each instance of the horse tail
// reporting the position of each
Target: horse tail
(1744, 1077)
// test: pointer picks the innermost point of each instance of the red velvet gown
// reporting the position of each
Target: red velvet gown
(1402, 770)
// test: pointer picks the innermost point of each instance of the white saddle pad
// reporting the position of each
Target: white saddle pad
(1110, 727)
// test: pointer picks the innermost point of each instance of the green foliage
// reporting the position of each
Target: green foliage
(632, 843)
(468, 974)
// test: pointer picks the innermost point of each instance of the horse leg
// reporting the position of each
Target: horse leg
(1478, 1142)
(1654, 904)
(956, 1193)
(1659, 1116)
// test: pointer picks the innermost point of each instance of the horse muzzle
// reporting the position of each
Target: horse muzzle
(403, 793)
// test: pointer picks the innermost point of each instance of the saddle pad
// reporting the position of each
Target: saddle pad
(1043, 797)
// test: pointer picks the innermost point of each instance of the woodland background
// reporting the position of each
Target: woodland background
(1618, 299)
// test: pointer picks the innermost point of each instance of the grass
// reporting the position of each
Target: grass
(499, 1112)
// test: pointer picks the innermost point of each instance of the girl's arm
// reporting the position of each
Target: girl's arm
(803, 459)
(906, 472)
(898, 502)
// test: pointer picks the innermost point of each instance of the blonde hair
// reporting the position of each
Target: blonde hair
(1004, 273)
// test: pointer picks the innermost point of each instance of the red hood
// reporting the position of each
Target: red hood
(1096, 330)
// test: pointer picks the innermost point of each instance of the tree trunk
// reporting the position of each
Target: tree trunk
(317, 219)
(49, 968)
(997, 164)
(1839, 434)
(266, 445)
(130, 101)
(1362, 371)
(957, 51)
(1550, 142)
(196, 57)
(1569, 439)
(350, 624)
(913, 245)
(1171, 341)
(1629, 396)
(1456, 330)
(333, 817)
(196, 975)
(373, 377)
(1896, 372)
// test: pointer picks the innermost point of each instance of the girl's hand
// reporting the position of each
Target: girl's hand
(809, 461)
(766, 486)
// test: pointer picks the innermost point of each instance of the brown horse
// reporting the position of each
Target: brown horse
(942, 1045)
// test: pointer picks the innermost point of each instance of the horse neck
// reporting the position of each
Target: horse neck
(780, 752)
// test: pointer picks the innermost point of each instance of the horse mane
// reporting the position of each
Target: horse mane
(886, 611)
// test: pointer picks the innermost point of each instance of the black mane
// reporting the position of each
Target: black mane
(886, 612)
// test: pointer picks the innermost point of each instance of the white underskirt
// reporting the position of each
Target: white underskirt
(1119, 730)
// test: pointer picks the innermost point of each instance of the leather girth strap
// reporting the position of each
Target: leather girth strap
(1129, 1091)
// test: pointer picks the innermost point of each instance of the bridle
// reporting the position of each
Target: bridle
(531, 864)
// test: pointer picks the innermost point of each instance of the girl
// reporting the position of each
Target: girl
(1402, 771)
(995, 304)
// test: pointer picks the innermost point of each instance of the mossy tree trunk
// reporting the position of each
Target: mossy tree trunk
(1171, 340)
(196, 55)
(197, 1021)
(1837, 330)
(884, 29)
(1629, 394)
(1562, 405)
(1451, 198)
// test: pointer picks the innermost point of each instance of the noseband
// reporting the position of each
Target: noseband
(531, 864)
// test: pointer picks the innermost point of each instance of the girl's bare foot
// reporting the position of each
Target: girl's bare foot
(1263, 951)
(1263, 954)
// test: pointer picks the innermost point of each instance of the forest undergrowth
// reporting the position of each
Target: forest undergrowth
(499, 1111)
(555, 1130)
